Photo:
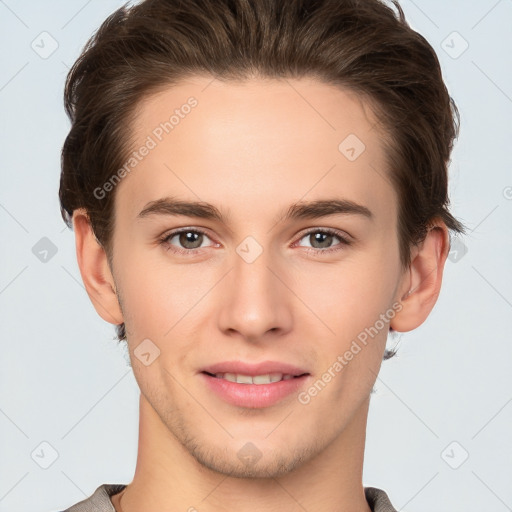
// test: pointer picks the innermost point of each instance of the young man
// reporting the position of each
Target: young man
(259, 195)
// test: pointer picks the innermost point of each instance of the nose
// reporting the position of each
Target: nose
(255, 299)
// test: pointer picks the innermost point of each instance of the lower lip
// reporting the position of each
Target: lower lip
(254, 395)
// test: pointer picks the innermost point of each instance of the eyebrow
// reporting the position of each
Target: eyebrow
(299, 210)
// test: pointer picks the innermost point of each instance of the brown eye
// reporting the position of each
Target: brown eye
(184, 241)
(321, 240)
(324, 240)
(190, 239)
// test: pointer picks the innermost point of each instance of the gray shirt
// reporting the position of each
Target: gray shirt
(377, 499)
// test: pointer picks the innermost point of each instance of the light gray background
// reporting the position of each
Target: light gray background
(64, 381)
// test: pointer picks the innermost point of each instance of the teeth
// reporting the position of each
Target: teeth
(243, 379)
(257, 379)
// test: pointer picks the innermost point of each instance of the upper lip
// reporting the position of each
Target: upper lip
(263, 368)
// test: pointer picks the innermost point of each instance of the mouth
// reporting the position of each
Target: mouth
(267, 378)
(254, 391)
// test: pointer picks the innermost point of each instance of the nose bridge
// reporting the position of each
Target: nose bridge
(252, 265)
(255, 299)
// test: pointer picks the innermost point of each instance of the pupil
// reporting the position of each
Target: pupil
(189, 237)
(318, 237)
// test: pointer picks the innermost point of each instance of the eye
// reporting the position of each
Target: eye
(191, 240)
(321, 240)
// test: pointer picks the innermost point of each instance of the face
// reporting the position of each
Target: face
(250, 279)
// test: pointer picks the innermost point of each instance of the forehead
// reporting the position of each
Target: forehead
(257, 140)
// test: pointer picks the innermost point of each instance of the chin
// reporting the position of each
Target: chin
(266, 467)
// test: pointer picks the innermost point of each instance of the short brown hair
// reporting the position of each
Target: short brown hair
(361, 45)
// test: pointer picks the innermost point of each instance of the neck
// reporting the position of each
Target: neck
(168, 476)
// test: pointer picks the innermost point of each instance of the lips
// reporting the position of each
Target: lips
(263, 368)
(258, 390)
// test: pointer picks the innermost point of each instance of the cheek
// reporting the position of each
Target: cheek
(162, 302)
(149, 287)
(347, 296)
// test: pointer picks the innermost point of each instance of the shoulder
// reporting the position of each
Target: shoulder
(378, 500)
(99, 501)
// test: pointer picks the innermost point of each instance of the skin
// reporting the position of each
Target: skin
(252, 149)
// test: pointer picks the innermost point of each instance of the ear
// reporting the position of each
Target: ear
(422, 282)
(94, 269)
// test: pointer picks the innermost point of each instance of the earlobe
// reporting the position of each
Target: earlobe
(423, 281)
(94, 269)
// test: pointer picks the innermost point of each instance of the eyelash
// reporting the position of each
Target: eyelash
(164, 240)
